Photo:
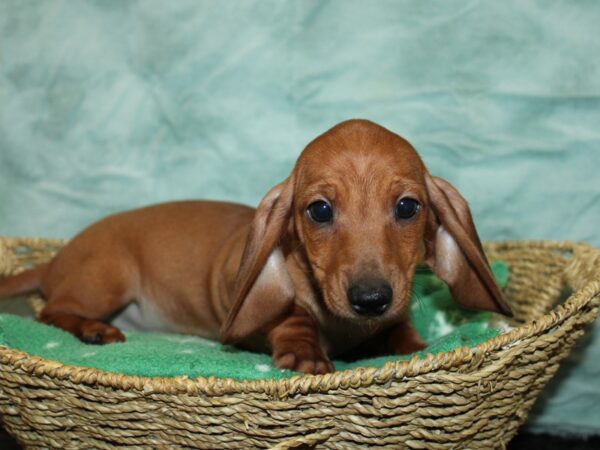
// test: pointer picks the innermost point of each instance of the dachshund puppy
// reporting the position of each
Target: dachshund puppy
(322, 267)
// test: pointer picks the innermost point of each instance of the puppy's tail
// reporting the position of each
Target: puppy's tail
(22, 283)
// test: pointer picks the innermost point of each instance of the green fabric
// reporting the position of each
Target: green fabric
(438, 320)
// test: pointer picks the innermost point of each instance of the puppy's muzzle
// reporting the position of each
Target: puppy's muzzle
(370, 298)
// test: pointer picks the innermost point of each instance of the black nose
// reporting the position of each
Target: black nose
(370, 298)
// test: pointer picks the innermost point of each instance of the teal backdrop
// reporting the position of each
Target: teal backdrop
(108, 105)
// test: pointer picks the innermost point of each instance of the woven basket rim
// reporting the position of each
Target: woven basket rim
(302, 384)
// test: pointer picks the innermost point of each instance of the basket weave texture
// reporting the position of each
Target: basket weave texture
(466, 398)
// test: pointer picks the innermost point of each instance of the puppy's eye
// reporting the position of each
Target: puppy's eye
(406, 208)
(320, 211)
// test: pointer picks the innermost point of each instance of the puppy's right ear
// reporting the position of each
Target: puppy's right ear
(264, 289)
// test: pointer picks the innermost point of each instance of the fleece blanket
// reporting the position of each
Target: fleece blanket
(442, 324)
(115, 104)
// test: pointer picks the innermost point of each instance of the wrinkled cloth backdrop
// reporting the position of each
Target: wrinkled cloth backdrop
(110, 105)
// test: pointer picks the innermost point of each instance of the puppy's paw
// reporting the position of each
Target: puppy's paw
(303, 357)
(404, 339)
(96, 332)
(409, 346)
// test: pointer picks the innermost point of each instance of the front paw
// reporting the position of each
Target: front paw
(405, 340)
(302, 357)
(408, 347)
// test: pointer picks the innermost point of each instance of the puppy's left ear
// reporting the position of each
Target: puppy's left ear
(264, 289)
(453, 250)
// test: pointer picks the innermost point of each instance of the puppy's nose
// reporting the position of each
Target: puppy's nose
(370, 298)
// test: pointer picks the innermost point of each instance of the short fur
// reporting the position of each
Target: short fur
(271, 279)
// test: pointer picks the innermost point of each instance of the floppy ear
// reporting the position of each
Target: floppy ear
(264, 289)
(453, 250)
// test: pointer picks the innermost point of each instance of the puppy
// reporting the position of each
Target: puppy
(322, 267)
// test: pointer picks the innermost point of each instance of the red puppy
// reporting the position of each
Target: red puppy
(324, 266)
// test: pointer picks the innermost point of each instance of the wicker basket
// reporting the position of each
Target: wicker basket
(466, 398)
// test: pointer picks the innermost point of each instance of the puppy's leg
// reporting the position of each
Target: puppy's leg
(91, 331)
(404, 339)
(401, 339)
(295, 344)
(81, 304)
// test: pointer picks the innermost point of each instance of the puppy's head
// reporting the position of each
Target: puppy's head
(366, 211)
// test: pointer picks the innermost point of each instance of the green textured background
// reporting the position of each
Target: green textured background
(106, 105)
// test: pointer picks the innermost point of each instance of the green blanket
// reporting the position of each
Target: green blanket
(438, 320)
